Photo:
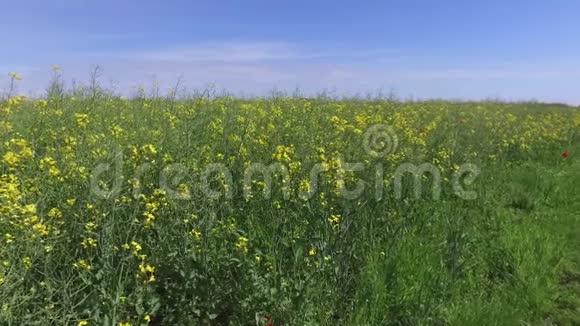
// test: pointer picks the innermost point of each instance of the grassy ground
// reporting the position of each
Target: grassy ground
(107, 215)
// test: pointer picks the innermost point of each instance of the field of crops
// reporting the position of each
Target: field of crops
(287, 211)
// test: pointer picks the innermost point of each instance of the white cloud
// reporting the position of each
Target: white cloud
(487, 74)
(235, 52)
(254, 52)
(256, 67)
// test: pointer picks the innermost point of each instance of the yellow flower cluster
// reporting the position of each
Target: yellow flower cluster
(334, 220)
(242, 244)
(153, 204)
(48, 212)
(20, 151)
(82, 120)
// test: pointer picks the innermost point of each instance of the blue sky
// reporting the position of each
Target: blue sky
(514, 50)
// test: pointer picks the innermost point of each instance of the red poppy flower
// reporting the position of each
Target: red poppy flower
(565, 154)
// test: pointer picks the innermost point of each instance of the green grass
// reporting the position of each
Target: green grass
(508, 257)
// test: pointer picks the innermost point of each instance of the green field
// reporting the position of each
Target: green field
(156, 211)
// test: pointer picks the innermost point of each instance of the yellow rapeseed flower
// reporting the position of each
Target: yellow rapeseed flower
(242, 244)
(82, 265)
(146, 272)
(334, 220)
(15, 75)
(89, 243)
(196, 234)
(135, 248)
(82, 119)
(11, 159)
(27, 262)
(55, 213)
(9, 238)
